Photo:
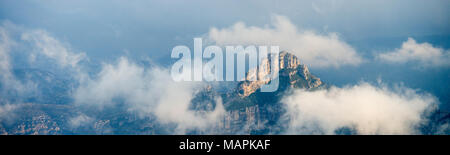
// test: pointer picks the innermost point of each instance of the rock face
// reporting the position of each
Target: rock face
(297, 75)
(250, 111)
(288, 60)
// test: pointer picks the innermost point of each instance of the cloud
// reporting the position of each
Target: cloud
(366, 108)
(424, 54)
(80, 120)
(443, 129)
(53, 48)
(9, 85)
(16, 44)
(7, 112)
(148, 92)
(5, 45)
(314, 49)
(151, 91)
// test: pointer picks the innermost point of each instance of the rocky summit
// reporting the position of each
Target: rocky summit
(293, 74)
(250, 111)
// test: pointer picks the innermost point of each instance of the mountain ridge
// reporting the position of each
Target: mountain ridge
(250, 111)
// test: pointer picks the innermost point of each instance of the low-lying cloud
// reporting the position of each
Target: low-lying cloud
(425, 54)
(151, 91)
(147, 92)
(314, 49)
(16, 41)
(9, 85)
(80, 120)
(365, 108)
(7, 112)
(52, 48)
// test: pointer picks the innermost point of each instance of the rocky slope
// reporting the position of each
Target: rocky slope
(250, 111)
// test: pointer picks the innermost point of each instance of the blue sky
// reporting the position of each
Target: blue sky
(105, 30)
(153, 27)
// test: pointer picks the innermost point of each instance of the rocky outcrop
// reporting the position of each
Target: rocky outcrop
(298, 75)
(249, 111)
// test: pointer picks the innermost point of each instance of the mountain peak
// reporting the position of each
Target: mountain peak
(292, 74)
(288, 60)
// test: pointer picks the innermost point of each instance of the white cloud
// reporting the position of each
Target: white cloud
(53, 48)
(80, 120)
(41, 43)
(313, 49)
(5, 43)
(5, 65)
(424, 53)
(366, 108)
(147, 91)
(8, 83)
(32, 43)
(7, 111)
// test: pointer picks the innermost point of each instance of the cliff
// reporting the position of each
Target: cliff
(250, 111)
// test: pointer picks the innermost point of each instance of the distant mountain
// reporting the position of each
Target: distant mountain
(250, 111)
(49, 87)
